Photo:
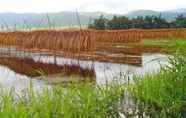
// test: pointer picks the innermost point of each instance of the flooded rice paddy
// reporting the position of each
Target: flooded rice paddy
(19, 68)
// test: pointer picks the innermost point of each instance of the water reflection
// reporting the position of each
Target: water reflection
(16, 70)
(10, 79)
(32, 68)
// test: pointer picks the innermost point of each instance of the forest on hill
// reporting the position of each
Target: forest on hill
(141, 22)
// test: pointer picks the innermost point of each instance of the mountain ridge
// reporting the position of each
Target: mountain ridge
(70, 19)
(168, 15)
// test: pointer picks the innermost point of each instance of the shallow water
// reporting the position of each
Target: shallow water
(15, 69)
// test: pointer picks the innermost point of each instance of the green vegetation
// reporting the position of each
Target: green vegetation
(171, 45)
(180, 21)
(75, 101)
(147, 22)
(99, 23)
(162, 95)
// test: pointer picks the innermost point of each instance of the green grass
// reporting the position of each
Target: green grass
(75, 101)
(162, 95)
(171, 45)
(160, 43)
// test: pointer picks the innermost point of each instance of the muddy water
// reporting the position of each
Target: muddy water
(18, 69)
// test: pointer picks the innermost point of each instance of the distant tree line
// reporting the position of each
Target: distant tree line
(147, 22)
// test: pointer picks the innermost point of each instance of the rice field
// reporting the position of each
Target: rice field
(118, 73)
(81, 40)
(85, 44)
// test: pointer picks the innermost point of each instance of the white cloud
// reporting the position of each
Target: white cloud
(110, 6)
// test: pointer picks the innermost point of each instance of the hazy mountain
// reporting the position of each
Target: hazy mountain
(61, 19)
(133, 14)
(169, 15)
(178, 10)
(70, 19)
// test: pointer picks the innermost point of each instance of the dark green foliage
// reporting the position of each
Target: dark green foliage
(119, 23)
(147, 22)
(99, 24)
(181, 21)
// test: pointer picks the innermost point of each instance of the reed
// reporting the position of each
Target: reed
(118, 36)
(72, 40)
(157, 34)
(82, 40)
(65, 40)
(84, 43)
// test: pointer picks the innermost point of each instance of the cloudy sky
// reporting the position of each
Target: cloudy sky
(109, 6)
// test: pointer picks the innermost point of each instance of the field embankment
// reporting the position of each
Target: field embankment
(106, 45)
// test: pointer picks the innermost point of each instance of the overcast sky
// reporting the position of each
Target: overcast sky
(109, 6)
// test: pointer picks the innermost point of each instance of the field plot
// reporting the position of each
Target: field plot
(110, 46)
(70, 43)
(65, 40)
(123, 50)
(92, 59)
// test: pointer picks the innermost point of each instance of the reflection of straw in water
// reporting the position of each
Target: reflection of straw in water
(30, 68)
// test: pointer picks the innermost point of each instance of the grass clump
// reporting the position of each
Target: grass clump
(75, 101)
(169, 44)
(162, 95)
